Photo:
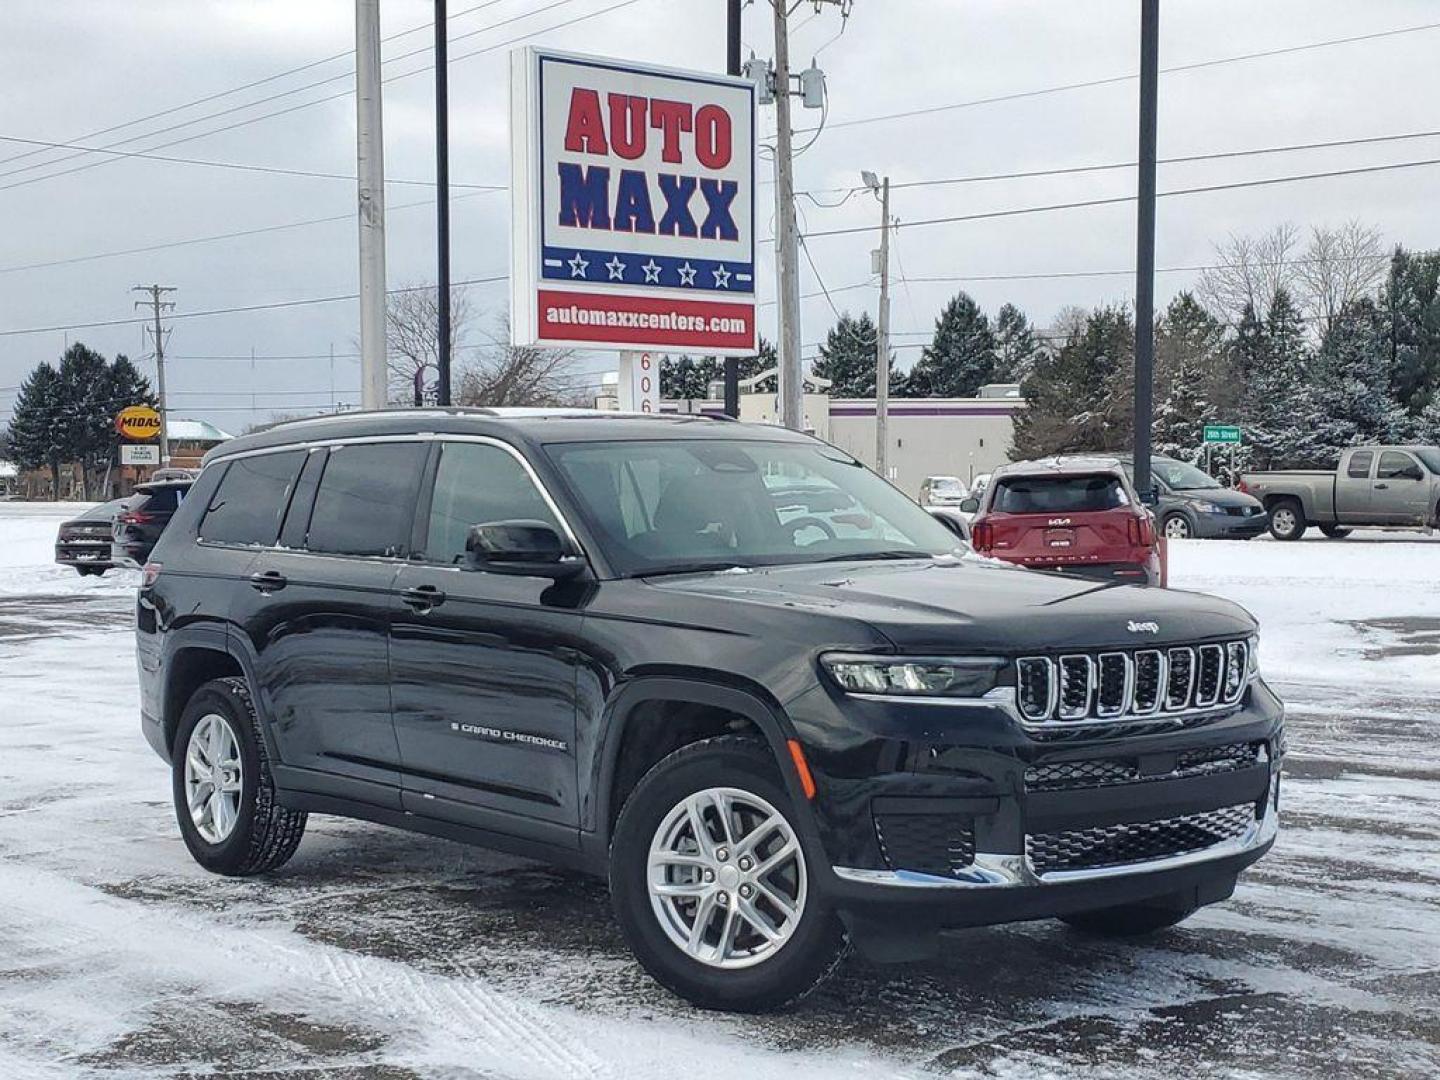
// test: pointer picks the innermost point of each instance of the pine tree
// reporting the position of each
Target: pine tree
(683, 377)
(962, 356)
(1016, 346)
(1411, 303)
(1081, 396)
(1187, 332)
(847, 359)
(38, 429)
(1354, 381)
(1285, 426)
(1181, 415)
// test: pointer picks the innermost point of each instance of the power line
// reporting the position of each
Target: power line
(276, 169)
(1118, 199)
(237, 310)
(1112, 79)
(323, 100)
(349, 216)
(342, 55)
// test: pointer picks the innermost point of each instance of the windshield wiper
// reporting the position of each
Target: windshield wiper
(889, 553)
(693, 568)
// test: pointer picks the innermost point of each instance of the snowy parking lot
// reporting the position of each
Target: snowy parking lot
(380, 954)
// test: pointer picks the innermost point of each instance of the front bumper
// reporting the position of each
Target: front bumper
(981, 835)
(1230, 526)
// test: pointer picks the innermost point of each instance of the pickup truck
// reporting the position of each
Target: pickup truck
(1395, 487)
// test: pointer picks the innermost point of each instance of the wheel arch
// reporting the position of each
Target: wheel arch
(194, 656)
(695, 704)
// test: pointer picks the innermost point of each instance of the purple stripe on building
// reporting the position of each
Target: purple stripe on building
(927, 410)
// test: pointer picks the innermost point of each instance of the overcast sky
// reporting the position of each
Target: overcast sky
(75, 67)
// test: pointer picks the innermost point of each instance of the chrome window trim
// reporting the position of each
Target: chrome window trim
(421, 436)
(1001, 871)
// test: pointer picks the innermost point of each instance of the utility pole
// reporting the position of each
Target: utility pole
(882, 340)
(787, 246)
(157, 303)
(1145, 242)
(732, 67)
(442, 196)
(370, 162)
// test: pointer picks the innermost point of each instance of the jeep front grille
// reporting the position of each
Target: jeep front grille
(1129, 684)
(1136, 842)
(1108, 772)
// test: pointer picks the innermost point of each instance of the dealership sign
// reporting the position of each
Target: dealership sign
(634, 206)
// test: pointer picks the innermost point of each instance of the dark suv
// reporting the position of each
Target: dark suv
(604, 641)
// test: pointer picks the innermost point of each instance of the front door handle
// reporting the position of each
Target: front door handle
(1382, 487)
(423, 597)
(268, 581)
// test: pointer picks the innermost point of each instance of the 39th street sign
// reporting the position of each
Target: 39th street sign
(634, 206)
(1221, 433)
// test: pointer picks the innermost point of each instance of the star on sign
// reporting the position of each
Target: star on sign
(616, 268)
(722, 277)
(578, 265)
(652, 272)
(687, 273)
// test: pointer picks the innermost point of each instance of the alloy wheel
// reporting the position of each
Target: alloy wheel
(727, 878)
(1284, 520)
(213, 778)
(1177, 528)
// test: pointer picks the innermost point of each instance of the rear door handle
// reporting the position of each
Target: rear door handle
(268, 581)
(423, 597)
(1382, 487)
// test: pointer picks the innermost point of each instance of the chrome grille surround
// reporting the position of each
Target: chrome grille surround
(1125, 685)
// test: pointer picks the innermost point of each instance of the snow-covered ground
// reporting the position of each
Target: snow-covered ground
(377, 954)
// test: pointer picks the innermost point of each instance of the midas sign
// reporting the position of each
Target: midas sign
(138, 422)
(635, 211)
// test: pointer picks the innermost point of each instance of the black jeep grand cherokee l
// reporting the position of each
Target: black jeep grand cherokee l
(725, 665)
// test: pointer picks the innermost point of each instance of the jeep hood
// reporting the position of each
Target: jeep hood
(977, 604)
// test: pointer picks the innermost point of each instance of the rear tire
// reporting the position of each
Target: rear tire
(86, 571)
(1335, 532)
(1287, 519)
(219, 765)
(1127, 920)
(766, 936)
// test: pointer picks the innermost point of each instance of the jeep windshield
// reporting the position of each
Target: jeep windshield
(714, 504)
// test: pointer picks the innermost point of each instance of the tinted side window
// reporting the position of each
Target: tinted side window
(297, 518)
(366, 499)
(247, 505)
(1360, 464)
(1395, 466)
(165, 500)
(476, 483)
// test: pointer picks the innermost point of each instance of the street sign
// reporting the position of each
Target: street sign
(633, 191)
(138, 422)
(1221, 433)
(139, 454)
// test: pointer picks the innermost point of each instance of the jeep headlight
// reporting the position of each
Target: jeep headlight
(915, 676)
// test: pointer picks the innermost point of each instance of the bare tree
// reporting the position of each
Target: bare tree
(412, 335)
(521, 375)
(1250, 270)
(1340, 266)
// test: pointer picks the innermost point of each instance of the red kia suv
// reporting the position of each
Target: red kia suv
(1074, 515)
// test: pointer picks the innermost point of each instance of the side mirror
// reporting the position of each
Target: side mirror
(1150, 497)
(970, 505)
(522, 548)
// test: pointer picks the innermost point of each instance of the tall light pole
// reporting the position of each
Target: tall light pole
(732, 67)
(157, 303)
(882, 329)
(370, 170)
(787, 245)
(442, 199)
(1145, 242)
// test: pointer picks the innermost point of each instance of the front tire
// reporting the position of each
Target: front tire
(1177, 527)
(711, 885)
(1127, 920)
(224, 793)
(1287, 520)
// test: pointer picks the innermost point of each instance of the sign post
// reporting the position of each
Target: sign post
(634, 208)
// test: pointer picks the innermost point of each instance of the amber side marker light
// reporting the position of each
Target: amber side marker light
(802, 768)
